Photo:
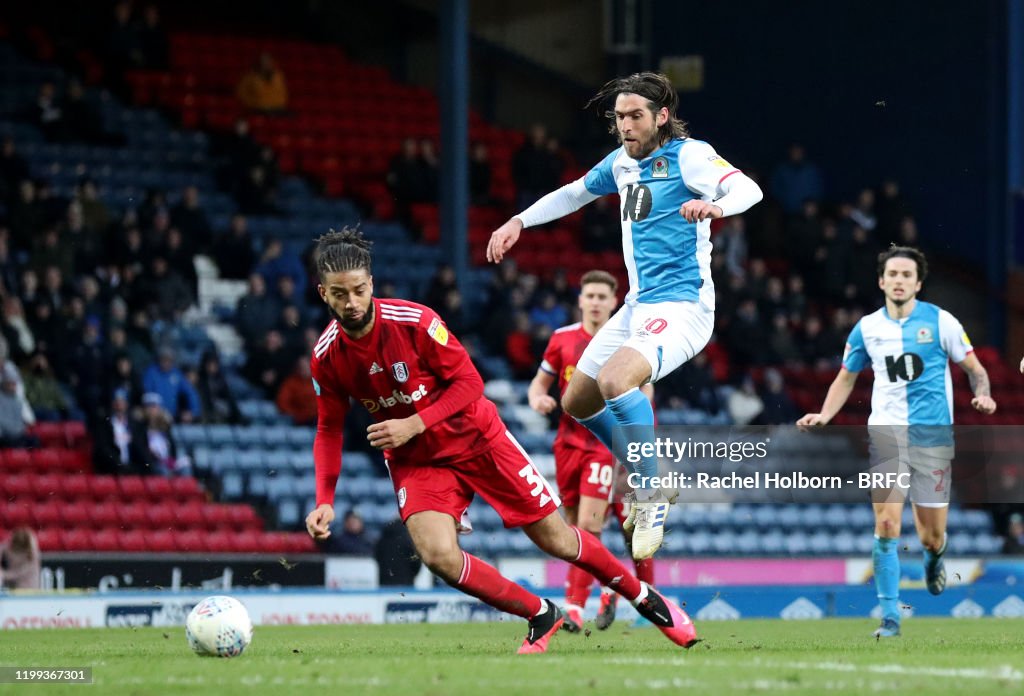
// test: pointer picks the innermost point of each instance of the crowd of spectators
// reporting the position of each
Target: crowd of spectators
(89, 294)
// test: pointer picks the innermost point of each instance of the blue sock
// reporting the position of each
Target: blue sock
(635, 416)
(932, 556)
(602, 424)
(887, 576)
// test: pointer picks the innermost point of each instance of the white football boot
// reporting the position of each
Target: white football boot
(647, 521)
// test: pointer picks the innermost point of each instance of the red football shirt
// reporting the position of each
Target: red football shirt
(565, 347)
(408, 363)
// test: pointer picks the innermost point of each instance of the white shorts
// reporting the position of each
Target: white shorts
(666, 333)
(929, 469)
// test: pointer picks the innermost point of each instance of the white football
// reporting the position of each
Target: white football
(218, 626)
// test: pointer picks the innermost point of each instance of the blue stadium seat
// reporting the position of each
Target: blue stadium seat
(190, 435)
(300, 437)
(797, 544)
(274, 436)
(844, 544)
(698, 542)
(790, 517)
(232, 486)
(766, 516)
(301, 463)
(748, 543)
(250, 460)
(289, 514)
(220, 435)
(280, 486)
(257, 484)
(278, 462)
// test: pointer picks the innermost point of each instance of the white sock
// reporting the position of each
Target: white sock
(640, 597)
(646, 494)
(543, 608)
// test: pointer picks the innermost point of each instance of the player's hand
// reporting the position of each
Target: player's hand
(502, 239)
(811, 421)
(696, 211)
(395, 432)
(318, 522)
(543, 404)
(985, 404)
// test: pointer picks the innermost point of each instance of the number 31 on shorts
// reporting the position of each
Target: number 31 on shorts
(540, 486)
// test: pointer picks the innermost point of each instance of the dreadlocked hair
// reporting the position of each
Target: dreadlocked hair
(340, 251)
(655, 88)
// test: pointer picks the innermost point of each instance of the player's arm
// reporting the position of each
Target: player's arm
(980, 385)
(958, 347)
(705, 172)
(559, 203)
(838, 393)
(538, 395)
(449, 360)
(331, 408)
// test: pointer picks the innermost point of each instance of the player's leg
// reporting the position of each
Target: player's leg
(430, 501)
(553, 536)
(886, 561)
(662, 337)
(929, 493)
(508, 479)
(568, 468)
(582, 398)
(930, 520)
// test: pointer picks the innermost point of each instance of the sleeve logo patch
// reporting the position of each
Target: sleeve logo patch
(846, 352)
(438, 332)
(965, 339)
(316, 387)
(719, 162)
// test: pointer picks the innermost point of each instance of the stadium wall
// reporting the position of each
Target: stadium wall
(309, 607)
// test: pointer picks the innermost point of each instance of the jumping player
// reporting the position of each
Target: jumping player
(908, 344)
(670, 187)
(443, 443)
(584, 468)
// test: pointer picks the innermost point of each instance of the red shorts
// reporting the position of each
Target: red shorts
(583, 472)
(504, 476)
(621, 488)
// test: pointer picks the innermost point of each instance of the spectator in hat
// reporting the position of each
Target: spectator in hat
(351, 540)
(164, 379)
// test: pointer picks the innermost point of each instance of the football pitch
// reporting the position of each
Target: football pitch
(977, 656)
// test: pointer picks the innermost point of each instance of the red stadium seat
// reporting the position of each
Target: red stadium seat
(132, 488)
(22, 486)
(217, 517)
(105, 515)
(190, 516)
(17, 460)
(162, 516)
(50, 540)
(133, 541)
(49, 487)
(77, 487)
(46, 460)
(220, 542)
(75, 433)
(159, 488)
(191, 541)
(185, 488)
(161, 541)
(247, 542)
(48, 514)
(134, 516)
(78, 540)
(243, 516)
(104, 488)
(76, 514)
(107, 540)
(50, 434)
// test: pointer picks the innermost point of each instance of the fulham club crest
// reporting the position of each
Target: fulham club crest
(400, 371)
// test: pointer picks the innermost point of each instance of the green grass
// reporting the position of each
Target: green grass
(983, 656)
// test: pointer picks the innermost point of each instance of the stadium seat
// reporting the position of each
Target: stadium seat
(134, 515)
(105, 514)
(134, 541)
(132, 487)
(104, 488)
(161, 515)
(17, 460)
(186, 488)
(190, 541)
(106, 540)
(77, 540)
(49, 540)
(159, 488)
(160, 541)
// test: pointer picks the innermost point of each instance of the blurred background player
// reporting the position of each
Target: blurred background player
(443, 443)
(584, 468)
(908, 344)
(670, 187)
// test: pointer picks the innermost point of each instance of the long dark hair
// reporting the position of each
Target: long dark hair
(656, 89)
